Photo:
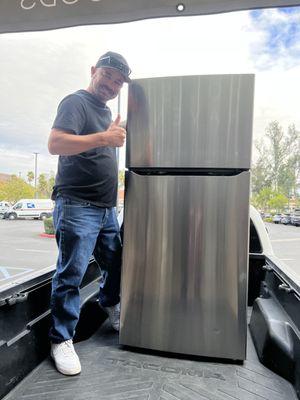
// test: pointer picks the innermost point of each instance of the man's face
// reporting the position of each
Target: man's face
(106, 83)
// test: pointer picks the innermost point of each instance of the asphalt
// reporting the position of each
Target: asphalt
(285, 241)
(23, 250)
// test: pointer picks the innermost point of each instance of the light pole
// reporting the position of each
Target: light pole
(35, 174)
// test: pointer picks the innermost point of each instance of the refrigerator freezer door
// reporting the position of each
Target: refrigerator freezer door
(185, 262)
(190, 122)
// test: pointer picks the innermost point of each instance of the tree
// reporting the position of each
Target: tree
(277, 151)
(278, 202)
(290, 168)
(121, 178)
(278, 164)
(45, 185)
(42, 188)
(262, 199)
(2, 191)
(268, 199)
(260, 177)
(30, 176)
(51, 183)
(16, 188)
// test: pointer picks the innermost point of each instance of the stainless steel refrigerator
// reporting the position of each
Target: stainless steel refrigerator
(186, 220)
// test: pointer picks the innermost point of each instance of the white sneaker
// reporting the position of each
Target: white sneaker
(113, 313)
(65, 358)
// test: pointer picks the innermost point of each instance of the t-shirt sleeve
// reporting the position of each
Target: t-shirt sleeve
(70, 115)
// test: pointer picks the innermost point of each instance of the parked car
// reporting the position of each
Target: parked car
(30, 208)
(4, 206)
(295, 219)
(285, 219)
(276, 219)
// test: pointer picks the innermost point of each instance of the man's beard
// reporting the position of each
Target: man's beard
(108, 94)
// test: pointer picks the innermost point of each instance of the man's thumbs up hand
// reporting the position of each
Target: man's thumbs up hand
(117, 120)
(115, 134)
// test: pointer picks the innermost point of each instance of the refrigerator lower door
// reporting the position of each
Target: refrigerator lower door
(185, 264)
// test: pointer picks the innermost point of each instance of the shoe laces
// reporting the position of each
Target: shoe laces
(68, 348)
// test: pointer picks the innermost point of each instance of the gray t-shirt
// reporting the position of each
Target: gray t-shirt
(90, 176)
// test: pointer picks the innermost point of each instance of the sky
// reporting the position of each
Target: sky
(38, 69)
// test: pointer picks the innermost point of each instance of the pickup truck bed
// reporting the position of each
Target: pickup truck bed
(112, 372)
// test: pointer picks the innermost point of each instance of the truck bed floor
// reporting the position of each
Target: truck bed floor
(112, 372)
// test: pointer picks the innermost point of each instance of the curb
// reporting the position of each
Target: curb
(46, 235)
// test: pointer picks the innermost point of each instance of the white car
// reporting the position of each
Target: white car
(277, 218)
(30, 208)
(4, 206)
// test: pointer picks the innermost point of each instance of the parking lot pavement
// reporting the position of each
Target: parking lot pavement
(285, 240)
(23, 250)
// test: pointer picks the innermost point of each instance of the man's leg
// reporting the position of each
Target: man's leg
(108, 253)
(77, 227)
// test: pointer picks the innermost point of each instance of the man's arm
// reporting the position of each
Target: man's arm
(66, 144)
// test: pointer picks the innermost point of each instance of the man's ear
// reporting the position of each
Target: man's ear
(93, 70)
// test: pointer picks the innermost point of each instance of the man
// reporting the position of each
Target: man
(85, 191)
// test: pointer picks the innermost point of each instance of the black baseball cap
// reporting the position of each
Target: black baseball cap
(115, 61)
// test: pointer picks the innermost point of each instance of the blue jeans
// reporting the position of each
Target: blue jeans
(82, 230)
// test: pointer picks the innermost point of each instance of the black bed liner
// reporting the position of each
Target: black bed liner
(112, 372)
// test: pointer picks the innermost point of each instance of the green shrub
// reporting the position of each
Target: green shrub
(268, 219)
(48, 226)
